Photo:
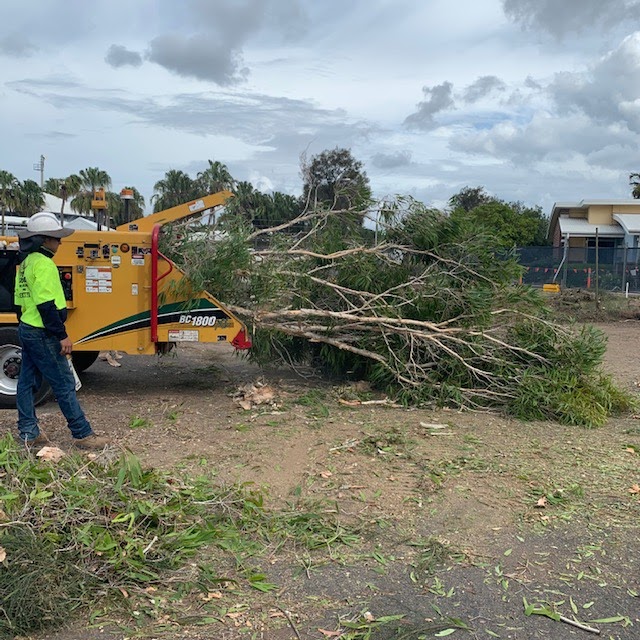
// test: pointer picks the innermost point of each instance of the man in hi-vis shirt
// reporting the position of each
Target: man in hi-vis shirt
(43, 337)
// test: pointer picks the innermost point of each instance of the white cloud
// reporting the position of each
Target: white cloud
(533, 114)
(607, 91)
(545, 137)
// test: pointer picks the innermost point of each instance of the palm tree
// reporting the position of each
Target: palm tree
(215, 178)
(262, 210)
(52, 186)
(91, 179)
(8, 191)
(30, 198)
(64, 188)
(175, 188)
(71, 184)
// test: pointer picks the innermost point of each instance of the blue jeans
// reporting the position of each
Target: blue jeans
(41, 358)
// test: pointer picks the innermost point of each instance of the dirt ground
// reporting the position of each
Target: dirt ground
(464, 514)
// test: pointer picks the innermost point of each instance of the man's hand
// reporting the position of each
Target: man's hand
(66, 346)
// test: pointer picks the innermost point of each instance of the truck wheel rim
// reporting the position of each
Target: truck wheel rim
(10, 361)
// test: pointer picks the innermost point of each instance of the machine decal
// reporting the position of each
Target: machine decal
(138, 254)
(98, 280)
(167, 314)
(183, 336)
(198, 320)
(196, 206)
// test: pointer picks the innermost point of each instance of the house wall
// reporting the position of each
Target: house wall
(629, 208)
(600, 214)
(557, 237)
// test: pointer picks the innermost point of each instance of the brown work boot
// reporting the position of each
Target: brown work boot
(92, 442)
(39, 441)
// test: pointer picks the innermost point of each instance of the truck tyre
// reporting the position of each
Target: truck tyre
(82, 360)
(10, 361)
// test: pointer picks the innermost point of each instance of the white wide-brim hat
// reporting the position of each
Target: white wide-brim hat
(44, 224)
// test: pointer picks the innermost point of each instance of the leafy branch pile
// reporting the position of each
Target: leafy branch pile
(106, 535)
(426, 307)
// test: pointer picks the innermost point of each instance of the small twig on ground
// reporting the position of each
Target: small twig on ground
(580, 625)
(356, 403)
(290, 621)
(148, 547)
(346, 445)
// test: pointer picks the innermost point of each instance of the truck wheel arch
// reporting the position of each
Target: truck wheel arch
(82, 360)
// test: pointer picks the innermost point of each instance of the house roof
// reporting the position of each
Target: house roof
(581, 227)
(584, 204)
(560, 211)
(52, 203)
(630, 222)
(78, 222)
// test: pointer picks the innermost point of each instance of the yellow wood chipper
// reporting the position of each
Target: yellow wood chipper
(122, 294)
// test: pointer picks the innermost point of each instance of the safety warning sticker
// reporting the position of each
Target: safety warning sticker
(98, 280)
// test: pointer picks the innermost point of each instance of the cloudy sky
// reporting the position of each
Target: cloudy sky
(536, 100)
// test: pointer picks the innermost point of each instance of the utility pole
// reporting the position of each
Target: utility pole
(597, 271)
(39, 166)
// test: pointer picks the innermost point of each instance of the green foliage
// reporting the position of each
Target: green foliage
(263, 210)
(335, 179)
(566, 384)
(175, 188)
(81, 534)
(30, 198)
(37, 571)
(25, 198)
(219, 266)
(468, 198)
(214, 178)
(432, 314)
(64, 188)
(510, 223)
(89, 180)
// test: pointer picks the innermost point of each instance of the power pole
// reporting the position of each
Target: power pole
(39, 166)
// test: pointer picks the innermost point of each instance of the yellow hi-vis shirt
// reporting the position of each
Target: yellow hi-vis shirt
(37, 281)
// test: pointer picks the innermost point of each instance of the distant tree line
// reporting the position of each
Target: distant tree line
(27, 197)
(19, 196)
(332, 179)
(336, 181)
(513, 224)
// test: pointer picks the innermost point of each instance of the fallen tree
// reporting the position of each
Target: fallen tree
(425, 307)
